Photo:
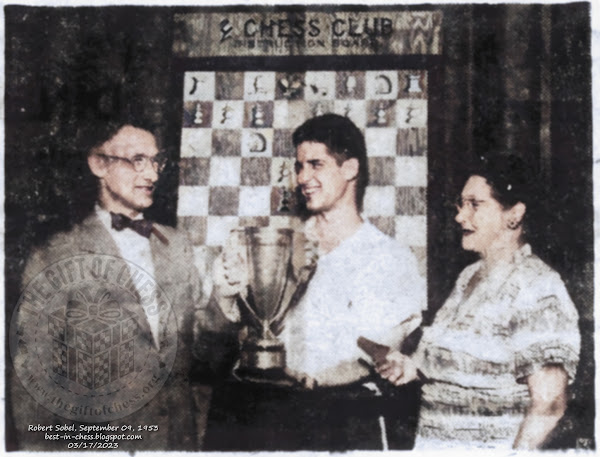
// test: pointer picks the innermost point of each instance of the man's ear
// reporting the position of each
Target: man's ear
(350, 168)
(97, 165)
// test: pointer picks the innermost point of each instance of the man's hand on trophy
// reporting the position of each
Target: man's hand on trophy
(235, 267)
(230, 277)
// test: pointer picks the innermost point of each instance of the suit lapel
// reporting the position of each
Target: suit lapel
(169, 279)
(162, 259)
(96, 239)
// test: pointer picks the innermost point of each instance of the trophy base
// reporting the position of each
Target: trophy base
(263, 361)
(263, 355)
(277, 377)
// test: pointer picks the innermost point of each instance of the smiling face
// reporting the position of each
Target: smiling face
(325, 184)
(123, 190)
(483, 220)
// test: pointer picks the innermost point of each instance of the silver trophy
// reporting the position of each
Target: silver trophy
(279, 265)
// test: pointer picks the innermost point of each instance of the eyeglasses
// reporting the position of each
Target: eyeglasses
(140, 161)
(471, 204)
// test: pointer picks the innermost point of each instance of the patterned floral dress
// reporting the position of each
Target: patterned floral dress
(496, 328)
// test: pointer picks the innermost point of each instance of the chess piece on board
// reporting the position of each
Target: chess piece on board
(381, 115)
(319, 110)
(258, 143)
(350, 85)
(198, 117)
(413, 84)
(226, 114)
(384, 85)
(258, 116)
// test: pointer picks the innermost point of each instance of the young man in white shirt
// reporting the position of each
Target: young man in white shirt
(365, 284)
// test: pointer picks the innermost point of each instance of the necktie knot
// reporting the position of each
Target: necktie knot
(141, 226)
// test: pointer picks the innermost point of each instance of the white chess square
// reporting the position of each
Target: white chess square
(411, 171)
(228, 114)
(380, 201)
(320, 85)
(259, 85)
(411, 113)
(255, 201)
(288, 114)
(381, 142)
(381, 85)
(411, 230)
(193, 201)
(196, 142)
(280, 114)
(257, 142)
(297, 113)
(199, 85)
(225, 171)
(355, 110)
(218, 229)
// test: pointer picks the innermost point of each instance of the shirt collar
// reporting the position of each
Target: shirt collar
(522, 253)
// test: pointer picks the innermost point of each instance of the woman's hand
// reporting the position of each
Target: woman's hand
(397, 368)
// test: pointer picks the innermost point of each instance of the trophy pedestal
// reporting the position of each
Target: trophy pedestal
(263, 354)
(263, 361)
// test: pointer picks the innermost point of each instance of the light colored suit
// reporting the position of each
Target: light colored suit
(173, 408)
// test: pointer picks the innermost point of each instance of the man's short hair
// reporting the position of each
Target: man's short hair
(92, 134)
(343, 140)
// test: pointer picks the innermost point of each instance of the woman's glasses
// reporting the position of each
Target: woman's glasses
(471, 204)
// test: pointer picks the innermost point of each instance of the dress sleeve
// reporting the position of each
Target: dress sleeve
(546, 328)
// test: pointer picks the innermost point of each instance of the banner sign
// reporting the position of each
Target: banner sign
(307, 33)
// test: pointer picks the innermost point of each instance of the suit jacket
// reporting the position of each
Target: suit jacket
(172, 408)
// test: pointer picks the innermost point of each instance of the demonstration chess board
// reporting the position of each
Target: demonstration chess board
(237, 157)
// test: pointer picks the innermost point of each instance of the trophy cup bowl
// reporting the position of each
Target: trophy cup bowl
(269, 256)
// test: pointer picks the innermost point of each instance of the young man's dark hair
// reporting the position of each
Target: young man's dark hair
(343, 140)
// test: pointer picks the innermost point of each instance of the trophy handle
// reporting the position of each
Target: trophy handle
(242, 298)
(281, 310)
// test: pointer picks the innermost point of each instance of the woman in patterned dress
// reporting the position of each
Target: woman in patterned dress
(498, 358)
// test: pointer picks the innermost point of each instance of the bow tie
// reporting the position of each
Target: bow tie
(141, 226)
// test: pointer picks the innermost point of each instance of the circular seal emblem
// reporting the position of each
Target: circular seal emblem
(93, 338)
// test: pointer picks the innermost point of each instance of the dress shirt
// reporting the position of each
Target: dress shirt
(135, 248)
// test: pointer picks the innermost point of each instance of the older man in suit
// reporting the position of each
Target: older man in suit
(134, 279)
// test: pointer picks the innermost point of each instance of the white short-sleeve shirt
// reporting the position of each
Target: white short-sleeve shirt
(364, 287)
